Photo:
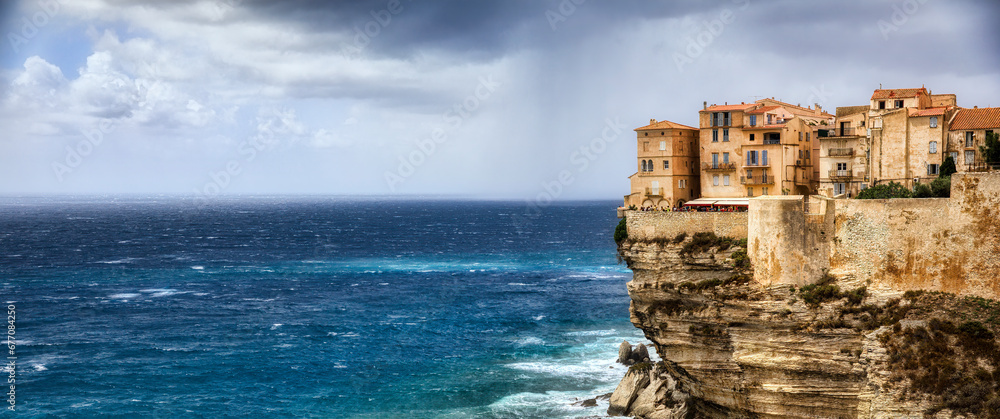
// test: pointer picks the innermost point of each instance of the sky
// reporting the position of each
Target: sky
(518, 99)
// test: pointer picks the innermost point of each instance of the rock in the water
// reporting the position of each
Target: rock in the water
(634, 382)
(625, 353)
(640, 353)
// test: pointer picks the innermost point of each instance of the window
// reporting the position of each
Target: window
(645, 146)
(839, 188)
(899, 103)
(646, 134)
(881, 104)
(715, 180)
(753, 120)
(763, 191)
(752, 158)
(763, 158)
(725, 180)
(715, 119)
(681, 183)
(715, 135)
(800, 154)
(725, 120)
(970, 156)
(932, 169)
(715, 160)
(643, 165)
(954, 156)
(970, 139)
(751, 137)
(841, 167)
(725, 158)
(666, 164)
(749, 192)
(807, 136)
(807, 154)
(933, 147)
(663, 145)
(725, 134)
(933, 122)
(800, 136)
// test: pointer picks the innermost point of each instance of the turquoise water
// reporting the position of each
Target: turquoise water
(312, 307)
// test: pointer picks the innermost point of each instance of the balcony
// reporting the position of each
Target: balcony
(757, 180)
(841, 175)
(761, 163)
(841, 152)
(837, 132)
(718, 167)
(654, 191)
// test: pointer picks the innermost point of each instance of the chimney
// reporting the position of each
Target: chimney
(652, 121)
(704, 105)
(726, 103)
(818, 108)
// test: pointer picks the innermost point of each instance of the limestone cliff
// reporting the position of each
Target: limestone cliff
(732, 347)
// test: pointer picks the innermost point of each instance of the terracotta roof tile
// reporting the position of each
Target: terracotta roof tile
(738, 107)
(763, 109)
(665, 125)
(981, 118)
(927, 112)
(896, 93)
(797, 110)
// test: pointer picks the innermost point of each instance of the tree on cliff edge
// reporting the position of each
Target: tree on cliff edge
(947, 167)
(991, 149)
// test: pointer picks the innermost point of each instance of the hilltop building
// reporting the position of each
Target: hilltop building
(763, 148)
(843, 155)
(770, 147)
(908, 134)
(667, 158)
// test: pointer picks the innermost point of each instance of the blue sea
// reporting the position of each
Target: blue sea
(311, 307)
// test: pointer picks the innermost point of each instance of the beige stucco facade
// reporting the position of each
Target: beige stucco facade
(762, 148)
(667, 166)
(843, 161)
(908, 137)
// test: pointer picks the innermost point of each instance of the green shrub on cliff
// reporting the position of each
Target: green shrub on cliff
(621, 231)
(885, 191)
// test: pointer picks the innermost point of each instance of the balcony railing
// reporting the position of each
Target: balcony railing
(654, 191)
(718, 167)
(837, 132)
(759, 163)
(757, 180)
(840, 152)
(841, 174)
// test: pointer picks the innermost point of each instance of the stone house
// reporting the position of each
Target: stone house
(967, 132)
(667, 163)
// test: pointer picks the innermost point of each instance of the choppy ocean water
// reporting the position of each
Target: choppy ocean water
(312, 307)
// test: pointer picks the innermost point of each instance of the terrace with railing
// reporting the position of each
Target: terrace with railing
(718, 167)
(837, 132)
(841, 152)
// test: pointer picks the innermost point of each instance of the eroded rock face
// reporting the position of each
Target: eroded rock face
(733, 348)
